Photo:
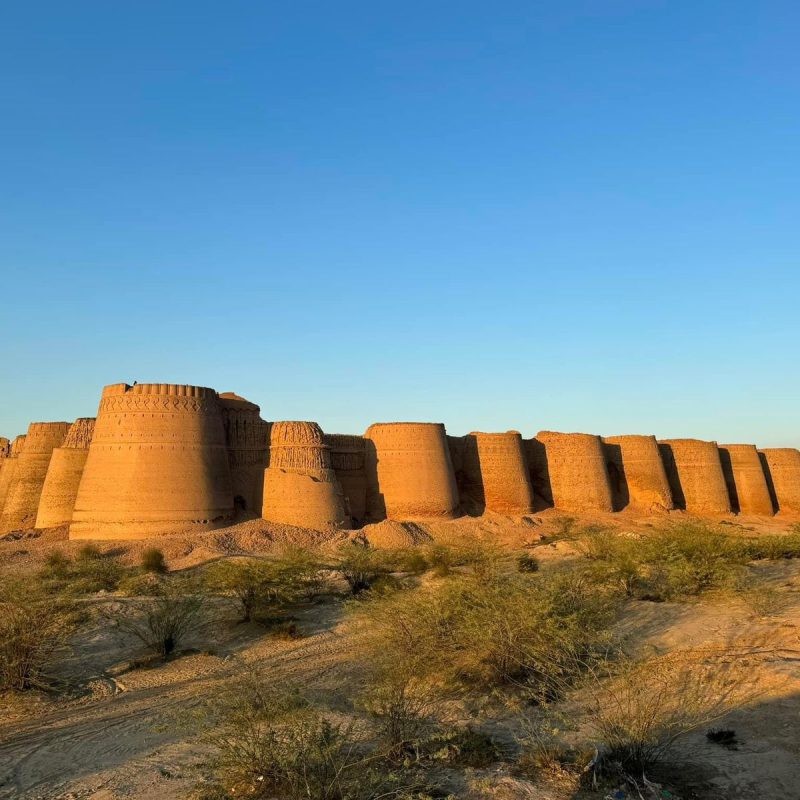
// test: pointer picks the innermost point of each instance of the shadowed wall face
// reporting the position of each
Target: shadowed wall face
(409, 472)
(157, 464)
(536, 457)
(783, 468)
(348, 455)
(636, 473)
(25, 489)
(247, 439)
(745, 479)
(64, 475)
(695, 475)
(5, 447)
(577, 471)
(495, 473)
(300, 486)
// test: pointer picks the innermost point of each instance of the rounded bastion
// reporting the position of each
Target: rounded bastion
(576, 471)
(25, 488)
(636, 473)
(782, 465)
(495, 472)
(409, 471)
(64, 475)
(695, 475)
(300, 486)
(157, 464)
(745, 479)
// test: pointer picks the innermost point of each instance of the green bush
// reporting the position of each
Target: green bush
(153, 561)
(260, 584)
(361, 566)
(538, 633)
(772, 546)
(683, 560)
(35, 626)
(89, 572)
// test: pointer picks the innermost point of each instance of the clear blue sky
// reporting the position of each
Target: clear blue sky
(565, 215)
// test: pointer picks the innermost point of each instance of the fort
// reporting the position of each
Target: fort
(173, 458)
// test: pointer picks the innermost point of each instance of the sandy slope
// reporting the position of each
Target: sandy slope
(131, 735)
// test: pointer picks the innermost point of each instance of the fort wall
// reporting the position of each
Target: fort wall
(300, 486)
(157, 464)
(495, 473)
(745, 479)
(695, 475)
(409, 471)
(64, 475)
(9, 469)
(782, 467)
(636, 473)
(348, 459)
(575, 469)
(25, 488)
(247, 440)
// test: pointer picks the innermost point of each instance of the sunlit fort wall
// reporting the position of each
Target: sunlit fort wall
(300, 485)
(64, 475)
(157, 464)
(695, 475)
(169, 458)
(409, 472)
(493, 473)
(25, 488)
(744, 476)
(636, 473)
(782, 468)
(570, 471)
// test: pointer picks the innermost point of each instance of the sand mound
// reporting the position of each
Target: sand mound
(392, 534)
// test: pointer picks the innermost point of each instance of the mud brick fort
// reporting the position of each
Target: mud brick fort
(164, 458)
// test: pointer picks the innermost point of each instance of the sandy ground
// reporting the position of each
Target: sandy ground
(129, 734)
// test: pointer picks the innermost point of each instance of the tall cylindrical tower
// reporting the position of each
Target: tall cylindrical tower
(348, 454)
(409, 472)
(247, 437)
(576, 469)
(636, 473)
(745, 479)
(64, 475)
(10, 469)
(157, 464)
(783, 468)
(300, 486)
(495, 472)
(695, 475)
(25, 489)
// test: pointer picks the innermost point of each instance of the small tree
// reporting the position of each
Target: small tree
(259, 583)
(162, 622)
(360, 566)
(35, 626)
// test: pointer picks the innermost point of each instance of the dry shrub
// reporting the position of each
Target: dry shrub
(683, 560)
(89, 572)
(361, 566)
(263, 585)
(35, 626)
(162, 622)
(638, 715)
(270, 741)
(534, 632)
(152, 560)
(773, 546)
